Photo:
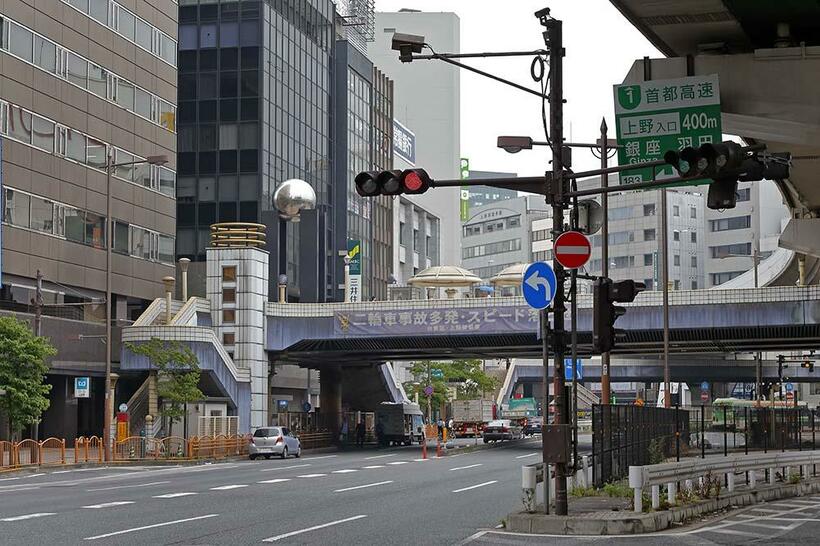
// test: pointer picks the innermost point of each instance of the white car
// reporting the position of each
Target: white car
(269, 441)
(502, 429)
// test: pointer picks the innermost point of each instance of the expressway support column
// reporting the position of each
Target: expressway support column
(330, 399)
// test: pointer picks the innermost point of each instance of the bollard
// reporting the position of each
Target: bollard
(730, 481)
(656, 497)
(424, 449)
(689, 485)
(752, 479)
(638, 500)
(771, 476)
(438, 448)
(585, 470)
(671, 493)
(528, 482)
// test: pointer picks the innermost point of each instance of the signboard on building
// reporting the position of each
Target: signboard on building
(655, 116)
(418, 321)
(82, 387)
(465, 190)
(404, 143)
(354, 252)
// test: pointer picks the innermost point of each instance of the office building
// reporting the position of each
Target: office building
(432, 112)
(497, 235)
(254, 111)
(733, 236)
(634, 238)
(81, 83)
(482, 195)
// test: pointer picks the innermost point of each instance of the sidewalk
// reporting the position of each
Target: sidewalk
(614, 516)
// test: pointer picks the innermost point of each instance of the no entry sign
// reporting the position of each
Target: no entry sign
(572, 249)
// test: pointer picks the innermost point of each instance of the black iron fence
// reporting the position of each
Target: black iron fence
(634, 435)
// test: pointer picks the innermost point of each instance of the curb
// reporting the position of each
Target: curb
(651, 522)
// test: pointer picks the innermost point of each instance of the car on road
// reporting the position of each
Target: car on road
(269, 441)
(502, 429)
(533, 426)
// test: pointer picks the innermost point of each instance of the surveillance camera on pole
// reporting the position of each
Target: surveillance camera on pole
(406, 45)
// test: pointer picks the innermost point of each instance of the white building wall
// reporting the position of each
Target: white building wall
(427, 100)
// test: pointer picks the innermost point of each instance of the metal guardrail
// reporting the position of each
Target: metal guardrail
(671, 474)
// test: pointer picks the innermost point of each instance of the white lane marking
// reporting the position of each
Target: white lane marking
(379, 456)
(276, 480)
(311, 475)
(314, 528)
(466, 467)
(398, 462)
(35, 475)
(109, 504)
(344, 471)
(20, 488)
(731, 532)
(362, 486)
(473, 538)
(154, 526)
(29, 516)
(475, 486)
(9, 479)
(127, 486)
(283, 468)
(322, 457)
(373, 466)
(174, 495)
(228, 487)
(420, 460)
(763, 525)
(61, 472)
(527, 455)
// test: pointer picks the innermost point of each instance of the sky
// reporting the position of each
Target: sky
(600, 49)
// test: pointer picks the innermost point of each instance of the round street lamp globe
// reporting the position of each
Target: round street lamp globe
(293, 196)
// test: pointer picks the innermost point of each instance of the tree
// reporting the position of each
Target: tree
(177, 375)
(23, 370)
(467, 375)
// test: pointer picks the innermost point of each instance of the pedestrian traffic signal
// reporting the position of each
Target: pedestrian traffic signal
(605, 293)
(394, 182)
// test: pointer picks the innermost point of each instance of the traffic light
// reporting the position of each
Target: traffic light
(707, 161)
(808, 364)
(605, 293)
(410, 181)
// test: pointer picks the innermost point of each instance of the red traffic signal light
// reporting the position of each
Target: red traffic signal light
(411, 181)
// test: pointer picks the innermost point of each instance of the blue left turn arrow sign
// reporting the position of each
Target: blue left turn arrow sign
(538, 285)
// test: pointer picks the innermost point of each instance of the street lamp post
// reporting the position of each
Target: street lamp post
(109, 243)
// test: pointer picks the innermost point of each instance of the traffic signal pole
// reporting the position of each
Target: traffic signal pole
(605, 394)
(555, 197)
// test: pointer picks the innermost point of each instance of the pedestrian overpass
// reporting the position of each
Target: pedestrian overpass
(701, 322)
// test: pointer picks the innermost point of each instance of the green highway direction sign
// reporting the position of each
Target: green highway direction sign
(659, 115)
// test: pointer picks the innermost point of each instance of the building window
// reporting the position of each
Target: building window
(648, 259)
(676, 285)
(694, 285)
(726, 276)
(229, 273)
(728, 224)
(694, 261)
(229, 316)
(693, 236)
(649, 235)
(676, 235)
(675, 210)
(229, 295)
(744, 249)
(676, 260)
(228, 338)
(693, 212)
(649, 210)
(744, 194)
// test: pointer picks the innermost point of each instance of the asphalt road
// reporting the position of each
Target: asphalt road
(788, 521)
(353, 497)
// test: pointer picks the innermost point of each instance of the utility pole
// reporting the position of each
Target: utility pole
(38, 331)
(555, 196)
(605, 394)
(667, 397)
